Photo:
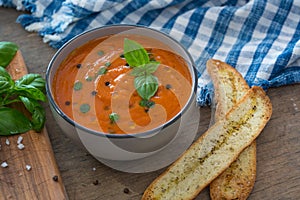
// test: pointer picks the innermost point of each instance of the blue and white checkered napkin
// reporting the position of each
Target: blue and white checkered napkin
(258, 37)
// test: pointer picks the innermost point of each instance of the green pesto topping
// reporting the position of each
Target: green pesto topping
(84, 108)
(78, 86)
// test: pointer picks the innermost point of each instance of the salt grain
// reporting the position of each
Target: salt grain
(28, 167)
(94, 168)
(20, 139)
(21, 146)
(4, 165)
(7, 141)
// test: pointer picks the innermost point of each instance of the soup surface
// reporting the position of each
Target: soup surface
(94, 86)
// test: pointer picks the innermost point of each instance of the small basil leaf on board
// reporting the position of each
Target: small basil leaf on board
(146, 86)
(34, 80)
(6, 82)
(38, 116)
(134, 53)
(7, 52)
(4, 73)
(5, 85)
(30, 92)
(13, 122)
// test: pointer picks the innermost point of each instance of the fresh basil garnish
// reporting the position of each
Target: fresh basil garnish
(7, 52)
(137, 57)
(147, 103)
(113, 117)
(146, 69)
(134, 53)
(146, 85)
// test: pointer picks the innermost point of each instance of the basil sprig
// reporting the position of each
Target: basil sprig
(137, 57)
(7, 52)
(28, 90)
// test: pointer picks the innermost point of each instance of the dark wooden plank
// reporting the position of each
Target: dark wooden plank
(35, 182)
(278, 147)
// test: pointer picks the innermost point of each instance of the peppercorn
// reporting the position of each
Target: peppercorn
(55, 178)
(126, 190)
(96, 182)
(168, 86)
(94, 93)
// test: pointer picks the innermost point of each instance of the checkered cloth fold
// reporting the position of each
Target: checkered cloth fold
(260, 38)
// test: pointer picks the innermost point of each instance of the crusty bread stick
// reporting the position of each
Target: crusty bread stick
(237, 181)
(215, 150)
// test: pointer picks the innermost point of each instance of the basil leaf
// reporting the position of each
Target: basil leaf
(134, 53)
(151, 67)
(146, 86)
(6, 82)
(5, 85)
(38, 115)
(4, 73)
(147, 103)
(114, 117)
(13, 121)
(145, 69)
(7, 52)
(30, 92)
(34, 80)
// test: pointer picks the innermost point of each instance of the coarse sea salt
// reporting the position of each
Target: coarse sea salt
(28, 167)
(20, 139)
(4, 164)
(7, 141)
(21, 146)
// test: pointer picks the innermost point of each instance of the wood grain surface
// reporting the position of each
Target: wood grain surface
(85, 178)
(36, 181)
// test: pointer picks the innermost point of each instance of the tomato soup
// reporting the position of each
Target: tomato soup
(95, 87)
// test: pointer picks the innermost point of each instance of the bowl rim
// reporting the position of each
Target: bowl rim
(123, 135)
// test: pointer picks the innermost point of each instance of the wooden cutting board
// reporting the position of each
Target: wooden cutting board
(43, 180)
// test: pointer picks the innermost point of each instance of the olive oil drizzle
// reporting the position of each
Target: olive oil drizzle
(234, 93)
(232, 127)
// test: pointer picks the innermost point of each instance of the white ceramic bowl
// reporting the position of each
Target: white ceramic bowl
(122, 147)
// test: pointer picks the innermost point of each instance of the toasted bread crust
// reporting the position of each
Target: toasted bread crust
(215, 150)
(229, 86)
(237, 181)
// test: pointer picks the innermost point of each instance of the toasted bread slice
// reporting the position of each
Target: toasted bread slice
(229, 86)
(215, 150)
(237, 181)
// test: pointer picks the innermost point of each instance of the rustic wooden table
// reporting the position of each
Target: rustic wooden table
(85, 178)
